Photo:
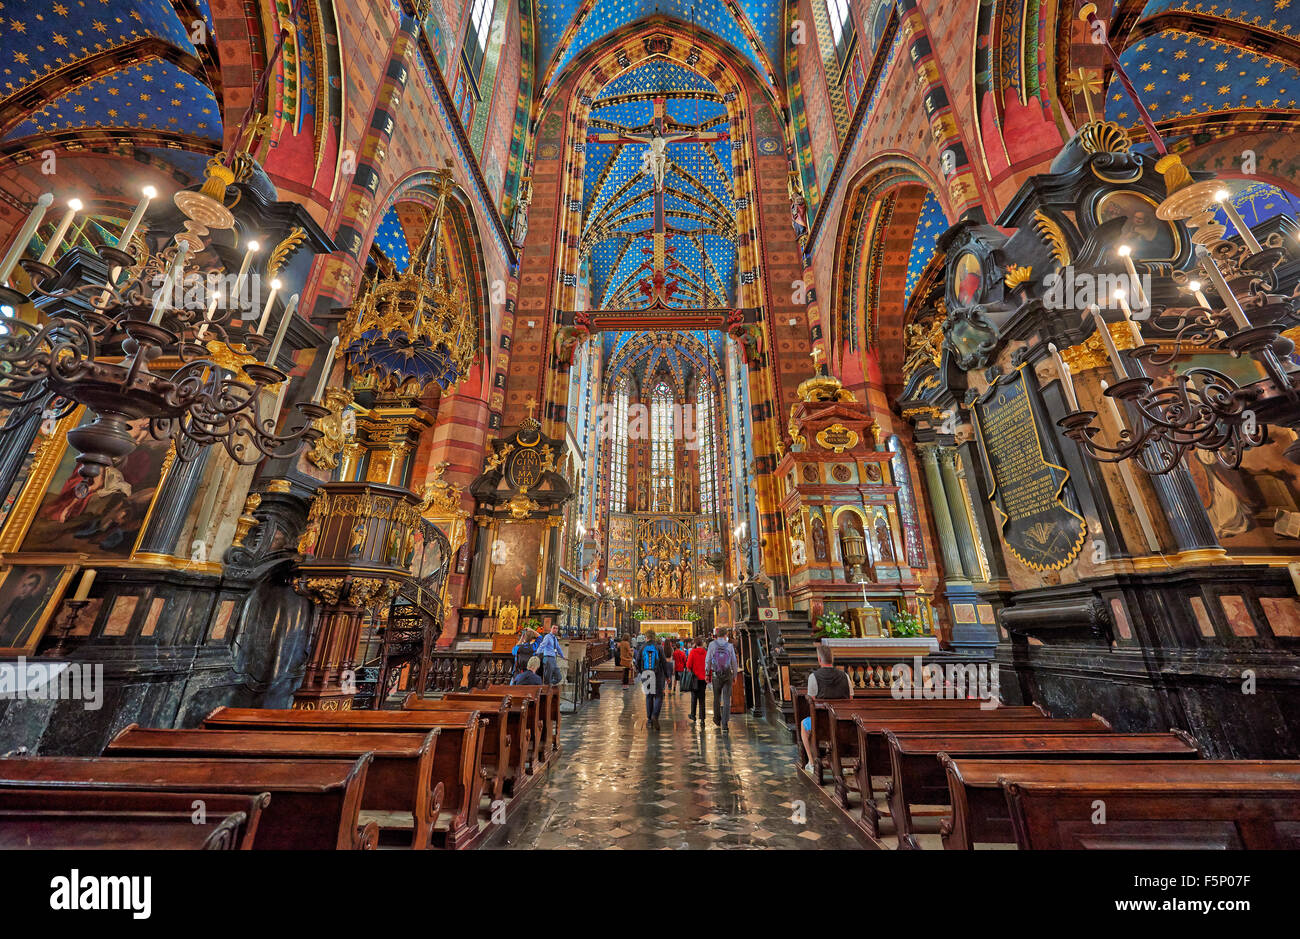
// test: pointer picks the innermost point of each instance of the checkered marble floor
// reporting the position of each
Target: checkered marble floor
(619, 786)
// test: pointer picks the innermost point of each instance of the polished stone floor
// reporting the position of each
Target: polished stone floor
(687, 786)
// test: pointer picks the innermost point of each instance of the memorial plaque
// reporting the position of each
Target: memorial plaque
(1028, 489)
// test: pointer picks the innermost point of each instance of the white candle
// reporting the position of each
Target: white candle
(83, 588)
(252, 249)
(1120, 423)
(266, 310)
(1195, 287)
(133, 222)
(1221, 197)
(325, 371)
(1128, 318)
(1212, 271)
(74, 206)
(284, 328)
(162, 299)
(19, 246)
(1138, 294)
(1111, 351)
(1067, 382)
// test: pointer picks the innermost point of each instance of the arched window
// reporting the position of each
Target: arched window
(708, 443)
(662, 464)
(618, 450)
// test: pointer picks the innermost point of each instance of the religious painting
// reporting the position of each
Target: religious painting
(1149, 237)
(104, 517)
(29, 597)
(967, 278)
(516, 559)
(1244, 505)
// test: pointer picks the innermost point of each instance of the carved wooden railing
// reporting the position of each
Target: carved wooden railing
(462, 671)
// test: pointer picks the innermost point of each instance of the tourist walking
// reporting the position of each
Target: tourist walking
(694, 679)
(721, 663)
(652, 673)
(625, 658)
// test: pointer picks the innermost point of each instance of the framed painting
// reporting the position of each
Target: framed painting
(29, 597)
(104, 519)
(1150, 238)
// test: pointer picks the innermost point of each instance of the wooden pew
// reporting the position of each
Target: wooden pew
(116, 820)
(1235, 811)
(400, 777)
(314, 803)
(834, 718)
(498, 744)
(981, 812)
(457, 762)
(871, 750)
(917, 776)
(524, 729)
(548, 698)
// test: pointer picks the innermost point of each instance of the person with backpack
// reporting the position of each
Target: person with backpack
(652, 673)
(679, 665)
(825, 682)
(523, 649)
(697, 681)
(528, 675)
(721, 664)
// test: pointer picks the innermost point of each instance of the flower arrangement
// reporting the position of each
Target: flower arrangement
(532, 623)
(639, 615)
(832, 626)
(905, 625)
(692, 615)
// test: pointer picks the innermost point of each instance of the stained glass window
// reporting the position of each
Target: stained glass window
(662, 468)
(708, 450)
(906, 504)
(618, 450)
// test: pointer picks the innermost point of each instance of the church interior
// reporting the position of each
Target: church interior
(359, 360)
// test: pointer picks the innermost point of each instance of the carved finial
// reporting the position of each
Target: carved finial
(531, 404)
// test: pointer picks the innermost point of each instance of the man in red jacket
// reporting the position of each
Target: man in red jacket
(679, 663)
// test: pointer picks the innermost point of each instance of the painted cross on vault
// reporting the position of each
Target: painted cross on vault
(655, 164)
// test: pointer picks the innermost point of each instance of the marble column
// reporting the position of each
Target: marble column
(961, 519)
(953, 568)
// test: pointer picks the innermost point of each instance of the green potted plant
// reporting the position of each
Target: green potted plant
(532, 623)
(692, 616)
(905, 625)
(832, 626)
(639, 615)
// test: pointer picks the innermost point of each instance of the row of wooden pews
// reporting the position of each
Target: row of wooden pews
(436, 774)
(1016, 776)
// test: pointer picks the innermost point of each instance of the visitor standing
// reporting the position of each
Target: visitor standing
(625, 658)
(697, 681)
(721, 663)
(550, 652)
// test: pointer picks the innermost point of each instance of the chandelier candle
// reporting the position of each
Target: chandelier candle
(1221, 285)
(24, 236)
(1195, 287)
(1109, 341)
(162, 298)
(1128, 318)
(1067, 380)
(284, 328)
(56, 239)
(266, 310)
(251, 250)
(325, 371)
(1221, 197)
(1127, 254)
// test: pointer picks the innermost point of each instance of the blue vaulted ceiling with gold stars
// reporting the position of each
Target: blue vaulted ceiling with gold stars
(1185, 79)
(565, 28)
(625, 267)
(107, 65)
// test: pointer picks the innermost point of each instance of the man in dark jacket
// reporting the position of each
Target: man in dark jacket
(825, 682)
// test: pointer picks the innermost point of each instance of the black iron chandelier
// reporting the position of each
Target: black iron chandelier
(93, 344)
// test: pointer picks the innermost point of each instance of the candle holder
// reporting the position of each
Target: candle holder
(66, 624)
(96, 345)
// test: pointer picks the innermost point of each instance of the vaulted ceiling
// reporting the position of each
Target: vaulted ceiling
(565, 28)
(697, 267)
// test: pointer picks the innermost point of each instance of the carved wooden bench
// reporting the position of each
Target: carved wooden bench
(314, 804)
(400, 778)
